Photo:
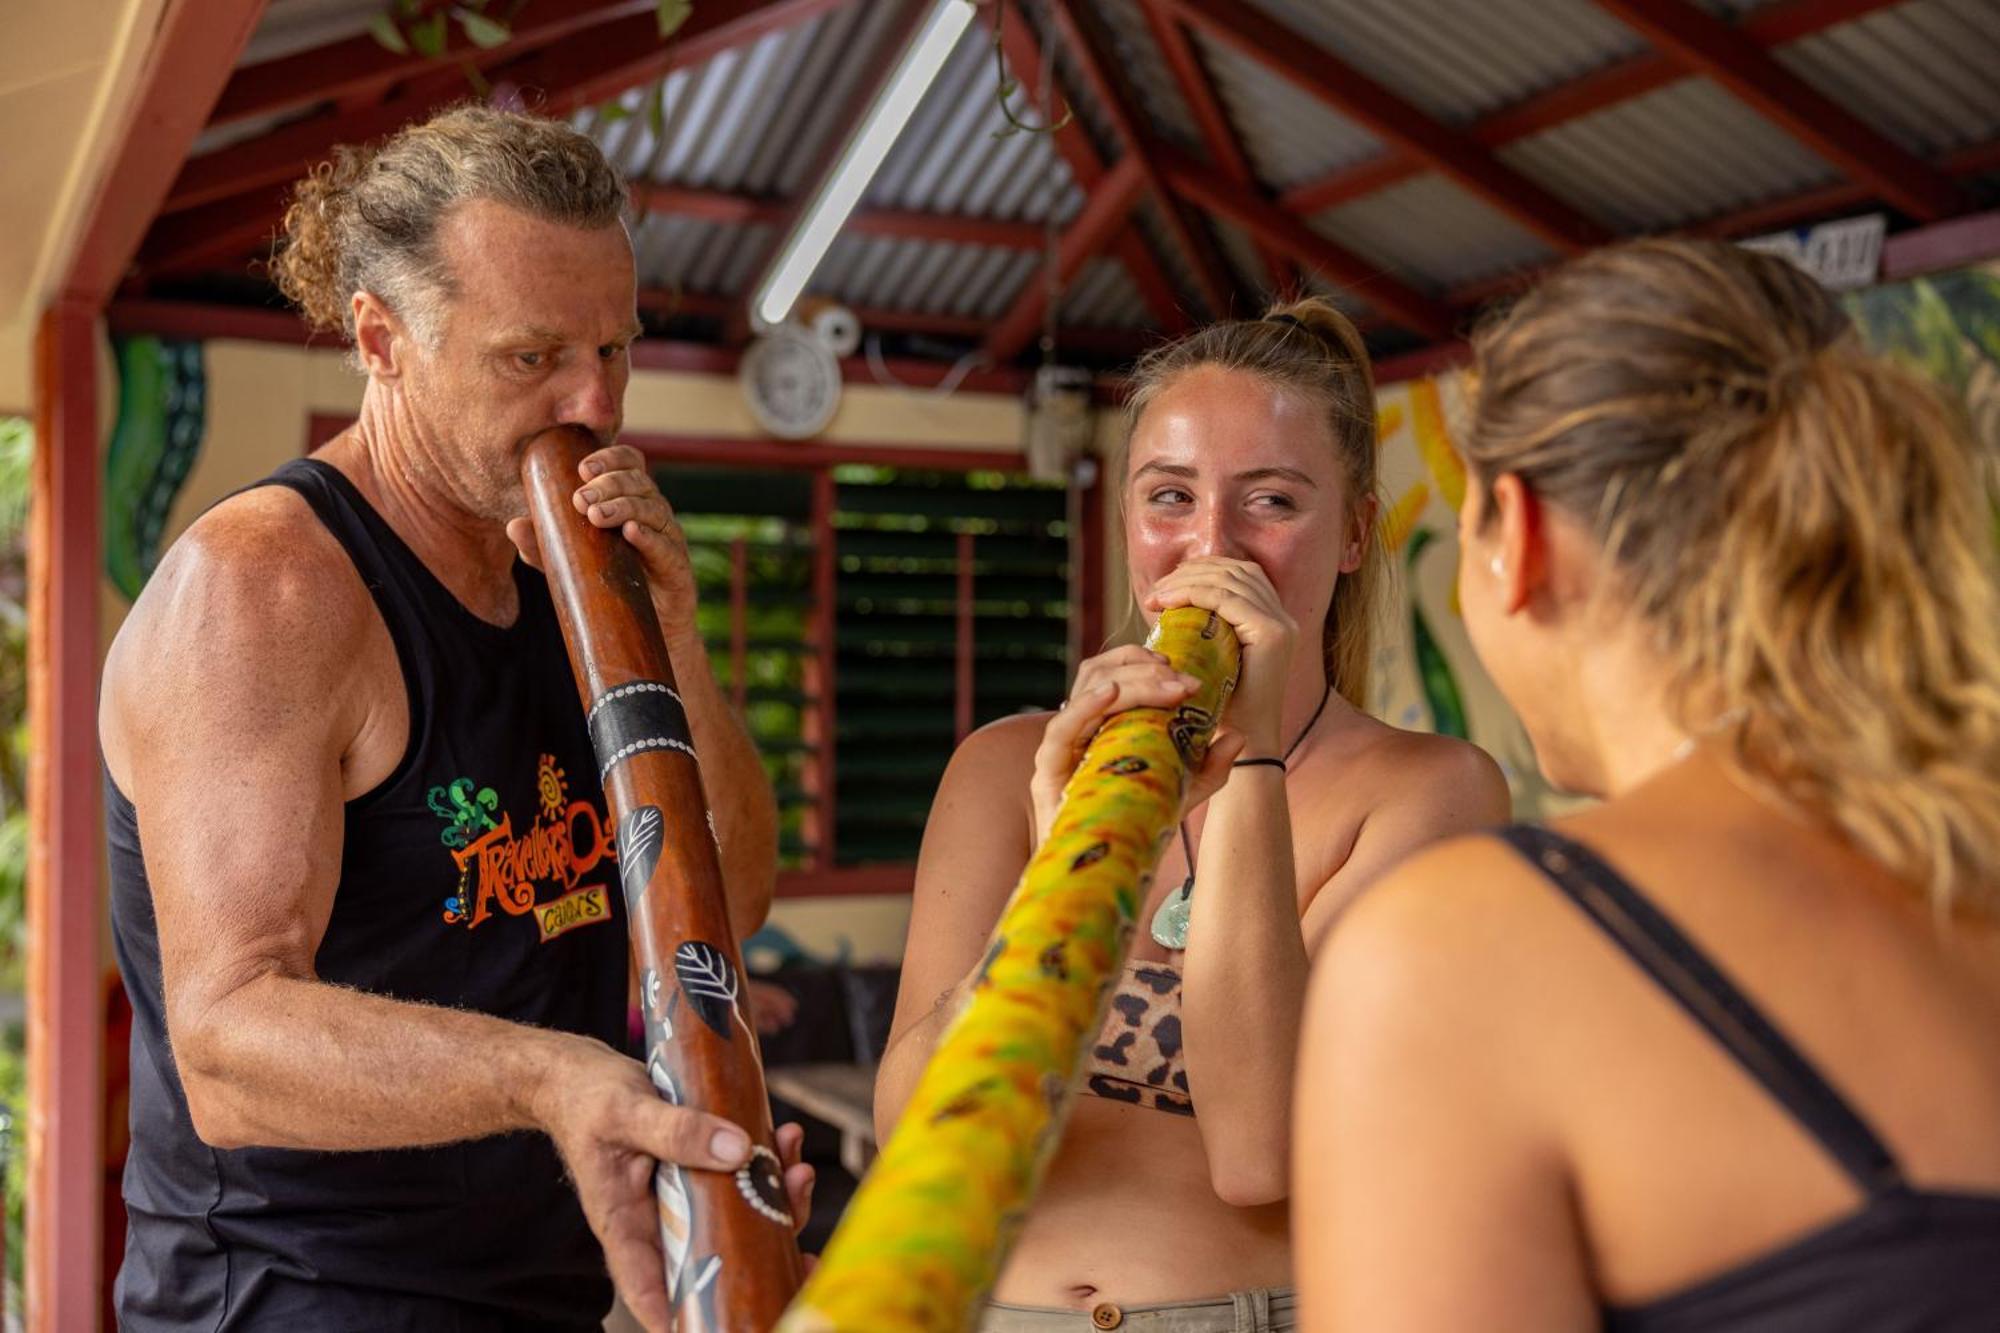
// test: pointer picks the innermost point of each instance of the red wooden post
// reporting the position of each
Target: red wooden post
(1086, 560)
(65, 1113)
(739, 617)
(962, 688)
(821, 717)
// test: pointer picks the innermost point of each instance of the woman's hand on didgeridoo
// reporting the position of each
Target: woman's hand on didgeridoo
(1127, 677)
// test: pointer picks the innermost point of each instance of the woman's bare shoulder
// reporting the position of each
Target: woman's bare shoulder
(1002, 751)
(989, 772)
(1400, 770)
(1434, 920)
(1429, 753)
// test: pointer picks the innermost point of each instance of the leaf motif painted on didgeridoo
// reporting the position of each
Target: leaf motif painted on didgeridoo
(709, 982)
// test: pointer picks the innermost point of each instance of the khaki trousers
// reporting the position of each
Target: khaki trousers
(1267, 1310)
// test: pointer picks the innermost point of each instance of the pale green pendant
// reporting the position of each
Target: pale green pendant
(1170, 923)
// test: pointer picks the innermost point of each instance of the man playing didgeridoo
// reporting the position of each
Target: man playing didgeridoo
(364, 893)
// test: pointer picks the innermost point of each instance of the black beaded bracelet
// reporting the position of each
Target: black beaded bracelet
(1267, 762)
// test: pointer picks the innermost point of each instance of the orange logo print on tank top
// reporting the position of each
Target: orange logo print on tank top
(536, 871)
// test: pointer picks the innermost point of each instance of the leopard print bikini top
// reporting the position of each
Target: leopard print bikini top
(1137, 1057)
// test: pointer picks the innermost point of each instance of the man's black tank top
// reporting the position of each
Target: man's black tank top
(1908, 1260)
(479, 874)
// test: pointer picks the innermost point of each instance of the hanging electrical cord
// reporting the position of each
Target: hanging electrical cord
(1051, 234)
(954, 377)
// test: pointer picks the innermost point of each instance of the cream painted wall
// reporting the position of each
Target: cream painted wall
(687, 404)
(260, 396)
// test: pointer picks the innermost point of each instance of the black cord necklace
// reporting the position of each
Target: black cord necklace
(1170, 922)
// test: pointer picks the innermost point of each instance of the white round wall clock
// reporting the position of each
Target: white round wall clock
(791, 382)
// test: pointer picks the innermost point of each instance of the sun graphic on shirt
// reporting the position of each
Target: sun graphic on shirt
(549, 782)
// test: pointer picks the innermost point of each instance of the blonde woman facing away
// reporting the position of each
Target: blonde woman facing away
(1724, 1051)
(1248, 488)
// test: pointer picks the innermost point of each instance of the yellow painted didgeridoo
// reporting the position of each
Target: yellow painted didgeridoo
(925, 1235)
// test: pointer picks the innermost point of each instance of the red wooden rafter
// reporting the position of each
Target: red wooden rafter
(1698, 40)
(1635, 76)
(225, 232)
(877, 319)
(1107, 208)
(1024, 58)
(1279, 229)
(1217, 133)
(226, 204)
(1392, 119)
(1114, 95)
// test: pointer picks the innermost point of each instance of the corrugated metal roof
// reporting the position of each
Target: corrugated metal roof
(1290, 136)
(1240, 252)
(1927, 72)
(1685, 152)
(697, 256)
(1458, 59)
(1165, 112)
(754, 118)
(952, 157)
(1177, 262)
(1349, 299)
(1432, 234)
(1103, 297)
(757, 119)
(290, 26)
(934, 277)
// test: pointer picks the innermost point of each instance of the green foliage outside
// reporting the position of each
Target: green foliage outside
(16, 451)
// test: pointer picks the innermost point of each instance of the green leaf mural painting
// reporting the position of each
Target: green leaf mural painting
(1426, 675)
(161, 412)
(1433, 672)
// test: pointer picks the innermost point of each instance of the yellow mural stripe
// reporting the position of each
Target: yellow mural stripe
(1402, 516)
(923, 1238)
(1434, 442)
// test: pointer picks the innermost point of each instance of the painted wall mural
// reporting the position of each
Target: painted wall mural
(1426, 676)
(162, 407)
(1948, 326)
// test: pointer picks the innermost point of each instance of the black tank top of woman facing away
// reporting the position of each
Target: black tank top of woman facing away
(479, 874)
(1907, 1259)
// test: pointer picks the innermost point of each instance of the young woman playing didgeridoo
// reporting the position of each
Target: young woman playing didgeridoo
(1723, 1052)
(1248, 488)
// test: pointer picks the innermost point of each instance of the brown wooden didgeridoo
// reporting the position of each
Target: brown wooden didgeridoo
(732, 1260)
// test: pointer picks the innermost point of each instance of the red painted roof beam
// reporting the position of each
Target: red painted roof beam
(1275, 227)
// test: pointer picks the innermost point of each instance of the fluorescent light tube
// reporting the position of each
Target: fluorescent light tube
(862, 157)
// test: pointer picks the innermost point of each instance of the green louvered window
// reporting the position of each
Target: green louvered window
(953, 601)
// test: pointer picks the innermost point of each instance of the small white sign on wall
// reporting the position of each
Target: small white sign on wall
(1842, 255)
